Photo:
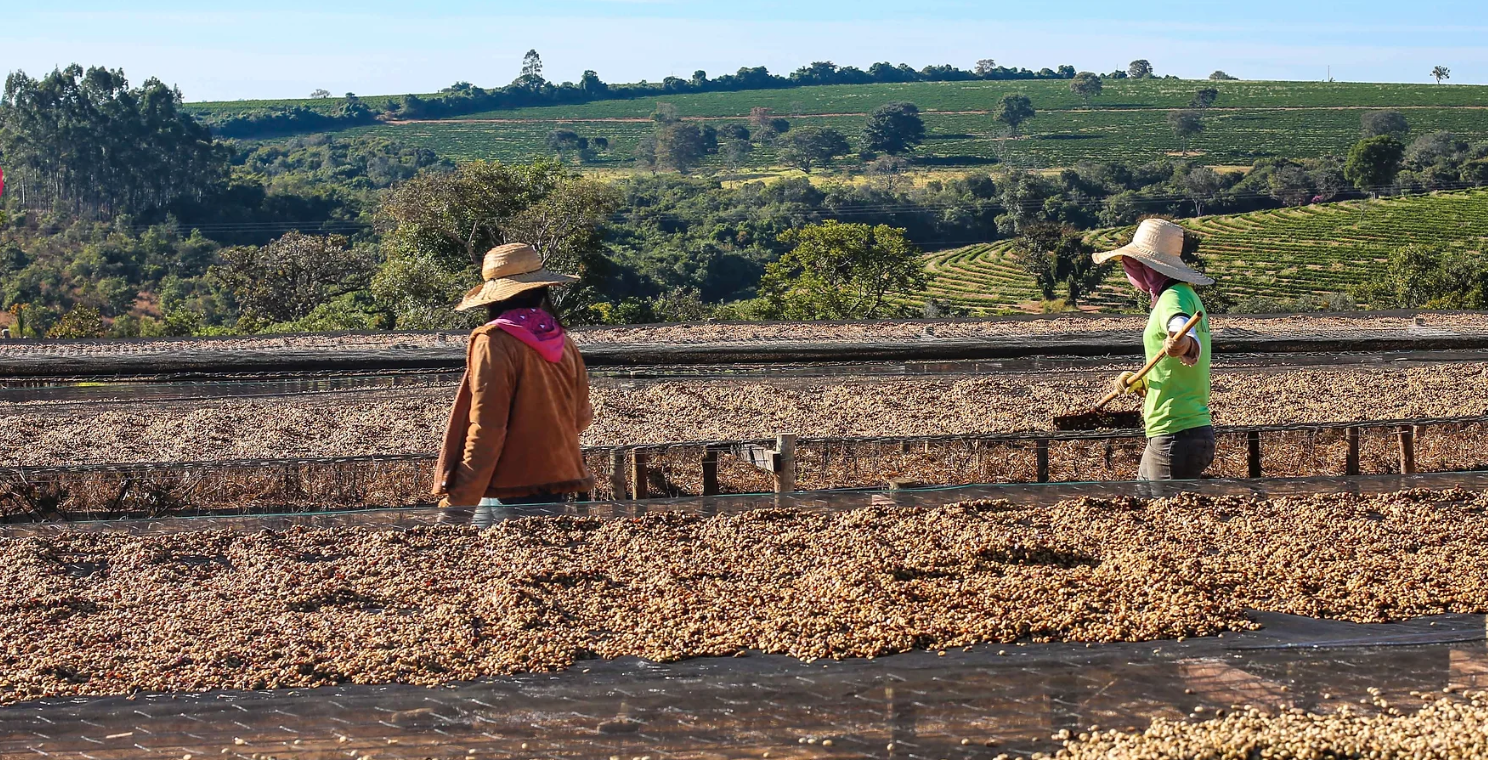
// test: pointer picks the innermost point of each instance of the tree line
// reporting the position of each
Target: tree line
(530, 88)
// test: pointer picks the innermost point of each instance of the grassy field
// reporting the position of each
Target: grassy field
(1282, 254)
(1128, 122)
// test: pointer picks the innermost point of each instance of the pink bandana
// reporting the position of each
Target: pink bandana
(536, 328)
(1144, 278)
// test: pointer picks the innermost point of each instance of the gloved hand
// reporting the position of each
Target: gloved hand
(1184, 347)
(1124, 384)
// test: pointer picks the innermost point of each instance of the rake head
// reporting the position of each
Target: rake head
(1099, 419)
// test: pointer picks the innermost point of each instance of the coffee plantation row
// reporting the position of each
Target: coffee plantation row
(1280, 254)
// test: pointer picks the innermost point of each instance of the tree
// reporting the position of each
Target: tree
(1373, 163)
(1087, 85)
(1060, 261)
(81, 322)
(809, 147)
(985, 67)
(1220, 76)
(1393, 123)
(1204, 98)
(1290, 185)
(1186, 125)
(286, 279)
(665, 113)
(842, 271)
(1139, 69)
(736, 153)
(320, 94)
(1441, 72)
(85, 141)
(566, 142)
(1201, 184)
(437, 227)
(1420, 276)
(531, 77)
(591, 85)
(894, 128)
(1013, 110)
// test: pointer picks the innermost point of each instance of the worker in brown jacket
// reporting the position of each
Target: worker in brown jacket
(513, 434)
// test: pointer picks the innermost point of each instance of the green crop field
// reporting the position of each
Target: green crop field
(1128, 122)
(1282, 254)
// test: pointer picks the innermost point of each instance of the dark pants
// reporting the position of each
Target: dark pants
(1181, 456)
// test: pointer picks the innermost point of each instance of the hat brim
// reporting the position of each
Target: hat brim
(1157, 263)
(502, 288)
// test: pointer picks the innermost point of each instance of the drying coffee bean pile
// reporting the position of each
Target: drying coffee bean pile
(411, 420)
(1450, 728)
(108, 613)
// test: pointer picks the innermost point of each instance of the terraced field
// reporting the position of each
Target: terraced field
(1283, 253)
(1129, 121)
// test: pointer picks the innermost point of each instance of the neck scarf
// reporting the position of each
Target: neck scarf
(537, 329)
(1144, 278)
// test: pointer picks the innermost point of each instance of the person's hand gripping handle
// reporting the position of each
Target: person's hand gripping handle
(1129, 380)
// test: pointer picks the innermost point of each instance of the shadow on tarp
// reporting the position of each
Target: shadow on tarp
(969, 703)
(1026, 494)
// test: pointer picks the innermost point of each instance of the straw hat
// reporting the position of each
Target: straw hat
(1159, 244)
(508, 270)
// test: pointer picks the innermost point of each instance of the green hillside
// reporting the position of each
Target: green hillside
(1127, 122)
(1282, 254)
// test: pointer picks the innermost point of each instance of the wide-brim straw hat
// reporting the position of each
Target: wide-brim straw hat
(1159, 244)
(509, 270)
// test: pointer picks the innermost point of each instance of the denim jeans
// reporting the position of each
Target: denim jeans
(491, 511)
(1181, 456)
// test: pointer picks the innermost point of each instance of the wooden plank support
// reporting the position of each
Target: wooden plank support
(785, 468)
(1041, 453)
(1407, 450)
(1253, 452)
(710, 472)
(640, 475)
(618, 486)
(1351, 462)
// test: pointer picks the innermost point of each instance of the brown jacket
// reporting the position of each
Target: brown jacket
(514, 429)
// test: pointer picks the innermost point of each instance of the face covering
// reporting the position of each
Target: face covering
(536, 328)
(1144, 278)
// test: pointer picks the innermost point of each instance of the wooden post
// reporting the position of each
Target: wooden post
(639, 475)
(1041, 454)
(1253, 446)
(785, 470)
(1351, 463)
(1407, 450)
(617, 475)
(710, 472)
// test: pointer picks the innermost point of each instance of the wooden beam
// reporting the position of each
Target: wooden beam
(617, 475)
(1407, 450)
(640, 475)
(1351, 462)
(1253, 452)
(710, 472)
(1041, 454)
(785, 464)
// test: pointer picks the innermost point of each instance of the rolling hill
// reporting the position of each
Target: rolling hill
(1283, 253)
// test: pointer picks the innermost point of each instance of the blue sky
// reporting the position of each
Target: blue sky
(278, 48)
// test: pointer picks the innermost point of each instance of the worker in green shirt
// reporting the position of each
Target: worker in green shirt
(1180, 431)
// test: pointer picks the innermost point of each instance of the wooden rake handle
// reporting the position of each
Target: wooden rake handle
(1137, 378)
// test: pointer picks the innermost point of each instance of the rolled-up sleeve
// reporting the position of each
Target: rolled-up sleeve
(492, 382)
